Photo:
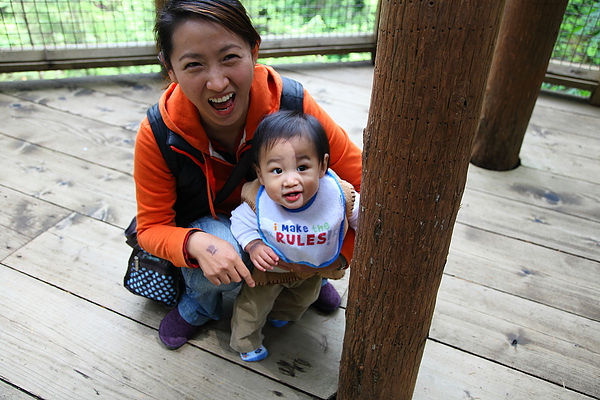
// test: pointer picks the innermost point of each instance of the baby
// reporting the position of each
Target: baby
(292, 224)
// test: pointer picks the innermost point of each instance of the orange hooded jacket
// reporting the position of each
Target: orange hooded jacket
(156, 185)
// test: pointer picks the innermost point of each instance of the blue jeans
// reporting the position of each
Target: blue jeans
(203, 300)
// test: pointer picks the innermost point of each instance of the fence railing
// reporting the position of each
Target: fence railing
(39, 35)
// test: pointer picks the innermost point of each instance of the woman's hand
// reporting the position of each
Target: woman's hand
(218, 259)
(262, 256)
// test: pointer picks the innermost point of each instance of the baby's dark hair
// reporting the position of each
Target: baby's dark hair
(285, 125)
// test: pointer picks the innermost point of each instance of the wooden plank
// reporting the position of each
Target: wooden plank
(341, 75)
(570, 234)
(56, 345)
(87, 188)
(126, 54)
(142, 88)
(567, 105)
(587, 72)
(81, 101)
(550, 139)
(86, 257)
(8, 392)
(520, 334)
(22, 218)
(550, 115)
(567, 143)
(79, 137)
(552, 160)
(448, 373)
(536, 273)
(539, 188)
(349, 107)
(67, 257)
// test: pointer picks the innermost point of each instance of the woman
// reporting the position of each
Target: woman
(217, 97)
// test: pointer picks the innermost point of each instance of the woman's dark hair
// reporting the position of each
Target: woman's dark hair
(230, 14)
(285, 125)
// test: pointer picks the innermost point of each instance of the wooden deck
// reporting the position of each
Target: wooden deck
(518, 312)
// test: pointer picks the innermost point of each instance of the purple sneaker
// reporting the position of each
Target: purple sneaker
(329, 299)
(174, 331)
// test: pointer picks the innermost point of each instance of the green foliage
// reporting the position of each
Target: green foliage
(579, 36)
(293, 17)
(57, 23)
(26, 24)
(565, 90)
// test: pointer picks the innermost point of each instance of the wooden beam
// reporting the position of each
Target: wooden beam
(416, 154)
(81, 56)
(527, 36)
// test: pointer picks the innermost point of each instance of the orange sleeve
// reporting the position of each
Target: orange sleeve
(345, 158)
(156, 194)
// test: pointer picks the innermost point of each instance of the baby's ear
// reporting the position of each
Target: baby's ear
(324, 165)
(258, 174)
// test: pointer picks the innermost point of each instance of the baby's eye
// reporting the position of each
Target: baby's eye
(277, 171)
(302, 168)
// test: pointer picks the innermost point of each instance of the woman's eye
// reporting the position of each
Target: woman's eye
(192, 65)
(230, 57)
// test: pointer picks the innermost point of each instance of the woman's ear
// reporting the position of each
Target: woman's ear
(324, 165)
(172, 76)
(167, 67)
(255, 52)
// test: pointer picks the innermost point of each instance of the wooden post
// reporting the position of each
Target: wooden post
(433, 59)
(527, 36)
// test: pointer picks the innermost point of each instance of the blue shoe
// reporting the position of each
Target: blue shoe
(259, 354)
(277, 323)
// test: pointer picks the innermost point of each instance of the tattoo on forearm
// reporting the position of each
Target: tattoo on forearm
(211, 249)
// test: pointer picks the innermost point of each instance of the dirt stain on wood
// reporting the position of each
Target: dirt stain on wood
(290, 369)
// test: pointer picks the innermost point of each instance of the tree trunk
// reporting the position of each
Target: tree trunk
(527, 36)
(431, 67)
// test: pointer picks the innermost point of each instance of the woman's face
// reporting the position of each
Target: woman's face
(214, 68)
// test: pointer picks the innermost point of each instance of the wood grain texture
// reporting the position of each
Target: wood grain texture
(66, 193)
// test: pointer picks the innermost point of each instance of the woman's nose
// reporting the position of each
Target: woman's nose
(217, 80)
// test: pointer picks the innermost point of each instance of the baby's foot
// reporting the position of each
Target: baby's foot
(277, 323)
(259, 354)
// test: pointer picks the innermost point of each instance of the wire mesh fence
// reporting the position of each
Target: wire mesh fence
(55, 24)
(578, 42)
(43, 28)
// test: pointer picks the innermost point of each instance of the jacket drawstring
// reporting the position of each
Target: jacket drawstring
(210, 182)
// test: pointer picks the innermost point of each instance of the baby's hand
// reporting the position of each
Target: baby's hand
(262, 256)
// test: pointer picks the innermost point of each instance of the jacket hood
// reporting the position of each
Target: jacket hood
(182, 117)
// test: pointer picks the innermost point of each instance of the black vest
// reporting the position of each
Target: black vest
(192, 200)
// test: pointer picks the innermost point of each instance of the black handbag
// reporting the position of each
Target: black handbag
(150, 276)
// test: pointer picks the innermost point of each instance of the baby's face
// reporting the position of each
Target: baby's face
(290, 172)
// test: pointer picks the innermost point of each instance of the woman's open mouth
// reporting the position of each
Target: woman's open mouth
(222, 103)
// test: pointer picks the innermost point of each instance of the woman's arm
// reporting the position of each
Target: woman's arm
(157, 233)
(155, 188)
